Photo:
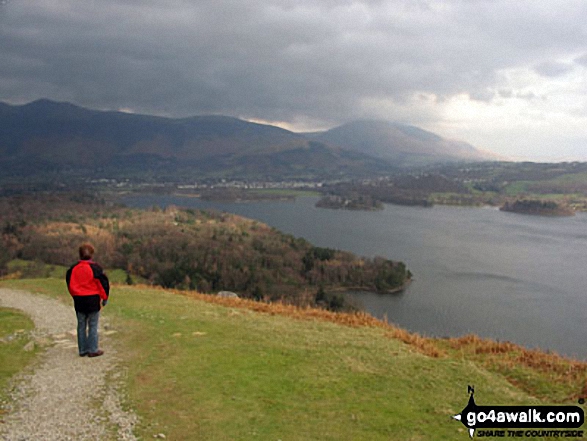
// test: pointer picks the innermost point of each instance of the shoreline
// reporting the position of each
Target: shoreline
(291, 198)
(362, 289)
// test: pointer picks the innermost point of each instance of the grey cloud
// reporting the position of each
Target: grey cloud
(274, 60)
(506, 93)
(582, 60)
(553, 69)
(527, 95)
(482, 95)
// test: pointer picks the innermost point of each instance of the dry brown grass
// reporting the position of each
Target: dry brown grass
(423, 345)
(517, 362)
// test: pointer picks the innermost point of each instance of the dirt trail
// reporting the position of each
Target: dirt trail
(65, 396)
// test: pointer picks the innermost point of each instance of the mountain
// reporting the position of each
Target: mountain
(50, 136)
(402, 144)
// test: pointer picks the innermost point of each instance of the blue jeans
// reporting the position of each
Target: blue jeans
(87, 332)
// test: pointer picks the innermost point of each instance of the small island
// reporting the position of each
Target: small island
(361, 202)
(538, 207)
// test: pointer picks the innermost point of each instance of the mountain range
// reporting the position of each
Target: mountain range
(48, 137)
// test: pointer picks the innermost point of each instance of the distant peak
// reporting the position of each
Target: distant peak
(44, 102)
(378, 125)
(374, 122)
(47, 103)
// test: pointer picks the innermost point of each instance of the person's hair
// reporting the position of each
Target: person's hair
(86, 251)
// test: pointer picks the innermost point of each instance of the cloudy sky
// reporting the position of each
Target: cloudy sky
(507, 76)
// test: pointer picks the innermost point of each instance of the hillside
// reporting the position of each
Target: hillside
(45, 136)
(203, 367)
(187, 249)
(49, 138)
(399, 143)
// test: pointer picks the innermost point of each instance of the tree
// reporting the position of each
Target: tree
(320, 296)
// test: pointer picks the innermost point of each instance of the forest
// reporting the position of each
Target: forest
(178, 248)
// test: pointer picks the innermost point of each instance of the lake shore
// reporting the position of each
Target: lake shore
(478, 270)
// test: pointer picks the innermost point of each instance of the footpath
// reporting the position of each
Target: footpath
(63, 396)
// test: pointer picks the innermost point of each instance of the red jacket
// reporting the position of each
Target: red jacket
(86, 278)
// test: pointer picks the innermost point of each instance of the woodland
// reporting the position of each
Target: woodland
(188, 249)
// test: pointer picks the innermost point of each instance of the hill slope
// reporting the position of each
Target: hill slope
(182, 248)
(201, 367)
(45, 135)
(398, 143)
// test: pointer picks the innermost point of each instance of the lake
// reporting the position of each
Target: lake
(499, 275)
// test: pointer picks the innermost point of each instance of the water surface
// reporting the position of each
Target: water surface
(476, 270)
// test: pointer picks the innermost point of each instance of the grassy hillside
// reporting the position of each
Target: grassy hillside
(15, 330)
(204, 368)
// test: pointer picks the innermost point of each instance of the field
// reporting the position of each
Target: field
(14, 336)
(200, 367)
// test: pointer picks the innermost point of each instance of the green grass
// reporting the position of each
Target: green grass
(552, 196)
(448, 198)
(31, 269)
(202, 371)
(285, 192)
(14, 335)
(28, 268)
(517, 188)
(535, 189)
(569, 178)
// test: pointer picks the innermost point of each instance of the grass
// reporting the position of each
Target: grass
(569, 178)
(286, 192)
(516, 188)
(205, 368)
(535, 189)
(14, 335)
(447, 198)
(27, 269)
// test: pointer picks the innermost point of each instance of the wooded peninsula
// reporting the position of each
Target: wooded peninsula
(179, 248)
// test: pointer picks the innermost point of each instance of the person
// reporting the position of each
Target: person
(90, 288)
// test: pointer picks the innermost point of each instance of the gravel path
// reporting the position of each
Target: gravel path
(65, 396)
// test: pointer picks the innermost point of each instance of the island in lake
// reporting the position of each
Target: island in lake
(538, 207)
(357, 202)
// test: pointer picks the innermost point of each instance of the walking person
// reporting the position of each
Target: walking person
(90, 288)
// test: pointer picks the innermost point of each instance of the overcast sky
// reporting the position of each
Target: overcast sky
(508, 76)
